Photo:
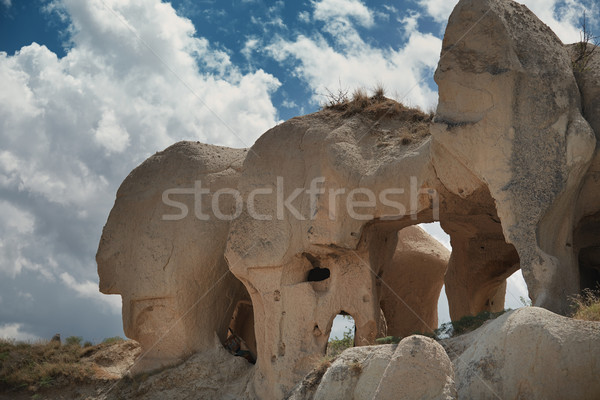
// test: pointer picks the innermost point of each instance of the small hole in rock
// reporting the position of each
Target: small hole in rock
(318, 274)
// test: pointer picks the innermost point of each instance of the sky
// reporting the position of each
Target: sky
(89, 89)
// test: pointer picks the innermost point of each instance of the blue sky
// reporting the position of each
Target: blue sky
(92, 88)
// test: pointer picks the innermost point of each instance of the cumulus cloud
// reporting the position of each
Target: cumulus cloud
(134, 80)
(6, 3)
(349, 60)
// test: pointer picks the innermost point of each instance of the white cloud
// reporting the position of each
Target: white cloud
(304, 16)
(410, 23)
(13, 219)
(289, 104)
(134, 80)
(439, 10)
(110, 134)
(354, 63)
(328, 10)
(6, 3)
(15, 331)
(562, 16)
(249, 47)
(89, 289)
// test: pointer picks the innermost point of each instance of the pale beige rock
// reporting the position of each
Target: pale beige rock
(274, 254)
(171, 273)
(509, 111)
(481, 260)
(586, 235)
(411, 283)
(416, 368)
(530, 353)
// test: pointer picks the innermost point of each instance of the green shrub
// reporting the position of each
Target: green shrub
(389, 340)
(113, 339)
(336, 346)
(466, 324)
(74, 341)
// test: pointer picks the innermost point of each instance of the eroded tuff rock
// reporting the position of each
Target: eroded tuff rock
(511, 170)
(411, 283)
(586, 236)
(274, 250)
(416, 368)
(529, 353)
(168, 268)
(509, 111)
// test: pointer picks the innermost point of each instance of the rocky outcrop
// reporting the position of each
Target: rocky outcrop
(586, 236)
(509, 111)
(165, 261)
(416, 368)
(315, 220)
(306, 249)
(530, 353)
(411, 283)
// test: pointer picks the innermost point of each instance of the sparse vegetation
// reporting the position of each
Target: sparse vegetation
(113, 339)
(38, 365)
(34, 366)
(450, 329)
(587, 305)
(525, 301)
(73, 341)
(337, 345)
(585, 48)
(389, 340)
(376, 105)
(465, 324)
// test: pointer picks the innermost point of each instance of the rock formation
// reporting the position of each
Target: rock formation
(165, 262)
(510, 112)
(416, 271)
(416, 368)
(315, 219)
(586, 235)
(529, 353)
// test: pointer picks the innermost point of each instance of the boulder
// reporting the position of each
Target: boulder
(416, 368)
(165, 259)
(529, 353)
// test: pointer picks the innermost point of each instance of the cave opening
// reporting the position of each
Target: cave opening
(587, 244)
(241, 339)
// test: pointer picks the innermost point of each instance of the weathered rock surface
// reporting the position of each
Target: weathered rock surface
(529, 353)
(416, 368)
(411, 283)
(276, 254)
(586, 236)
(509, 111)
(511, 170)
(169, 268)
